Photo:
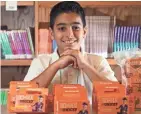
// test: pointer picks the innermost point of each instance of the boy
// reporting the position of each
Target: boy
(124, 107)
(84, 110)
(69, 63)
(37, 107)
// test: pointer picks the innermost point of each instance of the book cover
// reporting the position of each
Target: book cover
(31, 37)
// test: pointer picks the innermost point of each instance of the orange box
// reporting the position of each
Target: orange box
(70, 99)
(108, 97)
(25, 98)
(30, 103)
(14, 88)
(133, 75)
(19, 88)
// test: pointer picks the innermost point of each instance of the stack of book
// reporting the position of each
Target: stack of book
(17, 44)
(3, 94)
(45, 42)
(100, 34)
(126, 37)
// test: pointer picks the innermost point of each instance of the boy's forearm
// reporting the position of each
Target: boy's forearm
(45, 78)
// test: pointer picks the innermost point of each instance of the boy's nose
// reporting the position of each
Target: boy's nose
(70, 33)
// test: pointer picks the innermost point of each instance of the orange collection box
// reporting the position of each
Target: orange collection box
(133, 75)
(27, 97)
(70, 99)
(108, 97)
(14, 88)
(30, 103)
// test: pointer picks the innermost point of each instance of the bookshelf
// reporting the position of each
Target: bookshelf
(48, 4)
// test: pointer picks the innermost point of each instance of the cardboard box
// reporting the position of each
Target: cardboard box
(30, 103)
(108, 97)
(70, 99)
(23, 97)
(133, 75)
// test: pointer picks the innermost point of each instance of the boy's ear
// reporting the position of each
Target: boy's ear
(85, 31)
(51, 33)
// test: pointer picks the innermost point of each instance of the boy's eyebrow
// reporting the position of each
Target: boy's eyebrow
(66, 23)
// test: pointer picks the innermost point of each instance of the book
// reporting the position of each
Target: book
(45, 42)
(31, 37)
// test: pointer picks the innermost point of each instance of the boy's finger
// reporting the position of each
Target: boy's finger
(67, 52)
(67, 48)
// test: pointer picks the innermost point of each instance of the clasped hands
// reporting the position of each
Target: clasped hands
(71, 57)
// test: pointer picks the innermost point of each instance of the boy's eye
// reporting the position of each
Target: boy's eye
(75, 27)
(62, 28)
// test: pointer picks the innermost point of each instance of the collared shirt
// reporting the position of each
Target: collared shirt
(123, 109)
(81, 112)
(69, 75)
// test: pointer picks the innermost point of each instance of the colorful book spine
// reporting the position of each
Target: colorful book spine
(132, 44)
(12, 45)
(21, 34)
(140, 38)
(20, 45)
(29, 53)
(16, 45)
(3, 94)
(7, 45)
(137, 37)
(129, 38)
(120, 38)
(3, 47)
(126, 38)
(115, 39)
(30, 37)
(123, 38)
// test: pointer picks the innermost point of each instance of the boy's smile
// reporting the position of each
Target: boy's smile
(68, 31)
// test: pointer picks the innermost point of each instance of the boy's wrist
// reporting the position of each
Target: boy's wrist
(84, 65)
(56, 65)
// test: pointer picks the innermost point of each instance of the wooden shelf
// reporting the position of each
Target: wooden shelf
(95, 3)
(15, 62)
(21, 3)
(28, 62)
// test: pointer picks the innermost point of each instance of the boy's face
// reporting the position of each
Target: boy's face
(124, 101)
(68, 31)
(40, 99)
(85, 107)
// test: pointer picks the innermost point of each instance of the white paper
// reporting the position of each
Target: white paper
(11, 5)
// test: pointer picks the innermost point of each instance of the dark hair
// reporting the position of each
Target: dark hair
(124, 98)
(84, 103)
(40, 96)
(66, 7)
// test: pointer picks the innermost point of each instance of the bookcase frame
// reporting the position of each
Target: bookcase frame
(49, 4)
